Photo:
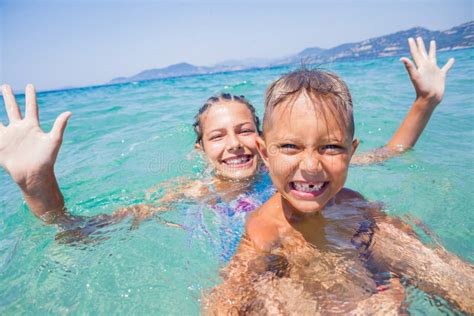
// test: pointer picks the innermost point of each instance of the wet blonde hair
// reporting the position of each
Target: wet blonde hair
(328, 92)
(197, 125)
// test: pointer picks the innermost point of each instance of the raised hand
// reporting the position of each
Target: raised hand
(429, 82)
(28, 154)
(427, 78)
(25, 149)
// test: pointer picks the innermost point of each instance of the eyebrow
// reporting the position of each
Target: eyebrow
(237, 125)
(293, 139)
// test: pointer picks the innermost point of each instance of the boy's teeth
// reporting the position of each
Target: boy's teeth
(236, 161)
(306, 187)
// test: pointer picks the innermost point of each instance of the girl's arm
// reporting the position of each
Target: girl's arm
(28, 154)
(429, 83)
(174, 189)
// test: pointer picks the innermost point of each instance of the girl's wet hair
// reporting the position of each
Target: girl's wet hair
(222, 98)
(327, 91)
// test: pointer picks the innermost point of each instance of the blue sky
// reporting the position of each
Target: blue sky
(56, 44)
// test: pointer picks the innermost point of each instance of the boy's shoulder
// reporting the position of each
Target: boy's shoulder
(348, 195)
(262, 228)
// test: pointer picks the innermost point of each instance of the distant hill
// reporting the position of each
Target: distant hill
(395, 44)
(176, 70)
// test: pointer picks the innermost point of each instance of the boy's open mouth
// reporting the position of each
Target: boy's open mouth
(307, 189)
(241, 161)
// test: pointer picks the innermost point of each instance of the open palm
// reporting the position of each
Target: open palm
(427, 78)
(26, 151)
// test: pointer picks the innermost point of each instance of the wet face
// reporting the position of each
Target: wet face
(307, 154)
(229, 140)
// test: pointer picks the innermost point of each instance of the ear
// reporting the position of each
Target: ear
(262, 150)
(355, 144)
(198, 146)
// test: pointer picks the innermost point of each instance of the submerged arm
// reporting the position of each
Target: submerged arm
(236, 293)
(28, 154)
(435, 271)
(429, 83)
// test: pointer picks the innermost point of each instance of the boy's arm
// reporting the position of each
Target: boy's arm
(236, 293)
(429, 83)
(435, 271)
(28, 154)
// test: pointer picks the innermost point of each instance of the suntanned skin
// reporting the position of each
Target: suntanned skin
(316, 243)
(394, 248)
(28, 154)
(270, 258)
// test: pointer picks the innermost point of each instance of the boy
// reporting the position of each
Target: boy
(315, 246)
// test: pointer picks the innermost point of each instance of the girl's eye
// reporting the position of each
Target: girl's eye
(216, 137)
(247, 131)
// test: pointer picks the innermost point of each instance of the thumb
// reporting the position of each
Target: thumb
(60, 125)
(409, 66)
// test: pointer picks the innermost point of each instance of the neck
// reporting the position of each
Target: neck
(311, 226)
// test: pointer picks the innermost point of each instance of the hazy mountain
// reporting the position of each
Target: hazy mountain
(395, 44)
(182, 69)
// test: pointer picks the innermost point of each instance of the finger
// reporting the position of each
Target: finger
(421, 46)
(414, 51)
(13, 112)
(409, 66)
(31, 110)
(60, 125)
(448, 65)
(432, 53)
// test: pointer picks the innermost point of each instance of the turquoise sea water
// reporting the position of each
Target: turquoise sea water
(123, 139)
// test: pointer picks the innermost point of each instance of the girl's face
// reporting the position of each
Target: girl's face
(229, 139)
(307, 155)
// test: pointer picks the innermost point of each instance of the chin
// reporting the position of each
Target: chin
(308, 208)
(241, 175)
(305, 206)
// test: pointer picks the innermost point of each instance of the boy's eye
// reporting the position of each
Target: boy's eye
(332, 148)
(288, 148)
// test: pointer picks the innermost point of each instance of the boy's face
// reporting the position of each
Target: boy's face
(307, 154)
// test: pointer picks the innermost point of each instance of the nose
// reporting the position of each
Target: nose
(233, 142)
(311, 163)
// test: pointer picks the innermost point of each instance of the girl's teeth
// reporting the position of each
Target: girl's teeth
(305, 187)
(237, 161)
